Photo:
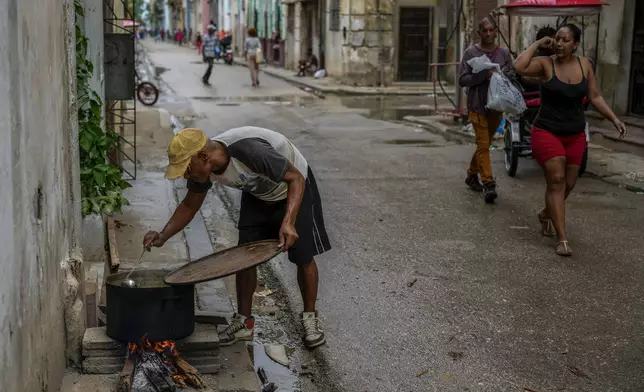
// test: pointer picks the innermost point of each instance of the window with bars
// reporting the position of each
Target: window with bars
(334, 15)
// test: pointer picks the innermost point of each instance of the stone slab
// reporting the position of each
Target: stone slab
(210, 317)
(204, 337)
(121, 353)
(76, 382)
(93, 368)
(109, 365)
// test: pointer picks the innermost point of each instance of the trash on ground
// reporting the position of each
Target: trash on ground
(266, 386)
(264, 293)
(424, 372)
(277, 353)
(319, 74)
(412, 282)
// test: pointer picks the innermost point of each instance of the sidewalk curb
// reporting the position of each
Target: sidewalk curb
(342, 90)
(440, 128)
(597, 123)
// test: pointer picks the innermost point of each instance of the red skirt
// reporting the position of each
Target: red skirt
(546, 145)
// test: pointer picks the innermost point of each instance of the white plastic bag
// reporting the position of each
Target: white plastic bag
(503, 97)
(319, 74)
(482, 63)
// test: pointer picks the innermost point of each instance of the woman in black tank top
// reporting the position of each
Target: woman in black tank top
(558, 134)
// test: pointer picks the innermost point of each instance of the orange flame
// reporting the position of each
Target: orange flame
(165, 346)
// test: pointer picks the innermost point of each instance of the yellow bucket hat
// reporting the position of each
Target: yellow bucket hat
(183, 146)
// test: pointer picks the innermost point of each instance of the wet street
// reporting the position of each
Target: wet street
(427, 288)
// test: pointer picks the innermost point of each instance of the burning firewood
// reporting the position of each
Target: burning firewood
(189, 373)
(156, 368)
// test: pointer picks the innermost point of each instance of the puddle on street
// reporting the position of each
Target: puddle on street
(273, 325)
(417, 142)
(390, 108)
(280, 375)
(274, 100)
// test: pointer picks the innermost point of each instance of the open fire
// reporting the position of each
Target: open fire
(156, 367)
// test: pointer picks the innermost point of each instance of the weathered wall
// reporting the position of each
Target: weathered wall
(360, 52)
(39, 222)
(93, 29)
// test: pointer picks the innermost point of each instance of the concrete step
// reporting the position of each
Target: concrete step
(204, 338)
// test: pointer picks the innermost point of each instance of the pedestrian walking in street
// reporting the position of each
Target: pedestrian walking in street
(209, 49)
(558, 132)
(280, 200)
(484, 121)
(199, 43)
(252, 49)
(180, 37)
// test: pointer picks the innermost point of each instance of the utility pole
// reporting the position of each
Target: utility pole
(381, 54)
(458, 55)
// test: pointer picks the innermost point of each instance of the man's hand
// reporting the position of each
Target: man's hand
(288, 236)
(153, 238)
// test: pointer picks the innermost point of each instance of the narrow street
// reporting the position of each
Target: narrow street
(427, 288)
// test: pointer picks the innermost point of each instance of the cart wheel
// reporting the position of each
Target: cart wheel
(147, 93)
(584, 162)
(511, 151)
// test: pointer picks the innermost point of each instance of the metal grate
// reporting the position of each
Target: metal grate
(335, 20)
(119, 31)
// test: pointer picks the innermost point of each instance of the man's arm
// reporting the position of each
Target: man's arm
(184, 213)
(466, 77)
(296, 183)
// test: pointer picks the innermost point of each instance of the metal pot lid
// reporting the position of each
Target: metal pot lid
(224, 263)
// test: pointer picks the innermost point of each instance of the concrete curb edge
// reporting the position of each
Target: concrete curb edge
(347, 91)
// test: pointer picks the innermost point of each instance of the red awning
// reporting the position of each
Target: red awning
(554, 7)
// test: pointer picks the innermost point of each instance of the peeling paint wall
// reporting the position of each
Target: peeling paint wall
(352, 54)
(40, 215)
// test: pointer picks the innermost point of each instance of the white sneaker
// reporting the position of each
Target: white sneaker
(313, 335)
(240, 328)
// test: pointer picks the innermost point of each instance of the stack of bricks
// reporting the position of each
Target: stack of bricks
(104, 355)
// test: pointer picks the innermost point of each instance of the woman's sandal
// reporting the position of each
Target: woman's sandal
(563, 249)
(547, 227)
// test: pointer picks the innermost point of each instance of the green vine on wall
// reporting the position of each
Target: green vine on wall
(102, 183)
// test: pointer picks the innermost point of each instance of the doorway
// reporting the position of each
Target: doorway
(414, 44)
(636, 101)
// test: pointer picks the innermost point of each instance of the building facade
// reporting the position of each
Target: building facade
(365, 42)
(268, 17)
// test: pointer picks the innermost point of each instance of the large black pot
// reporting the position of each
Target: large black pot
(153, 308)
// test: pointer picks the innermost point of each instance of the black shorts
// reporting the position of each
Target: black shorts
(261, 220)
